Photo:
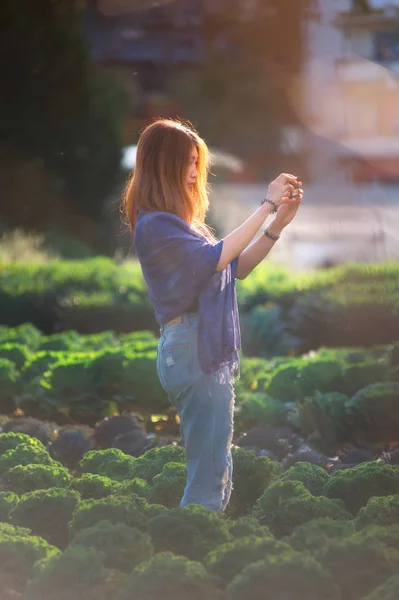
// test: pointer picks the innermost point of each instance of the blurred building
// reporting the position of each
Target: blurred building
(352, 90)
(144, 47)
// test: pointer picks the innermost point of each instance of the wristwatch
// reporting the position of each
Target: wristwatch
(270, 235)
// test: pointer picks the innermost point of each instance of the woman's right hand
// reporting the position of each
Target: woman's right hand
(280, 189)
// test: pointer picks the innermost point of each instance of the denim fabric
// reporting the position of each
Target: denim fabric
(206, 410)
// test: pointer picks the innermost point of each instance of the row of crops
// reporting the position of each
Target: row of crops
(89, 500)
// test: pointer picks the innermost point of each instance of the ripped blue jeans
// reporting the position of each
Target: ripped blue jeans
(206, 411)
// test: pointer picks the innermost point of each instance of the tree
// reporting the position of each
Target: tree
(53, 105)
(241, 96)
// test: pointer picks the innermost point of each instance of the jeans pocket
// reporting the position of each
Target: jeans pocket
(175, 366)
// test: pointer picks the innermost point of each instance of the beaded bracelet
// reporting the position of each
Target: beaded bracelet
(270, 202)
(271, 235)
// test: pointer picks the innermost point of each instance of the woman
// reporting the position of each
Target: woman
(191, 281)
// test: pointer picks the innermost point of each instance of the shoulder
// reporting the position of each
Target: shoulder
(162, 224)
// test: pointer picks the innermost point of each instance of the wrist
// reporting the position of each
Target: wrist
(275, 227)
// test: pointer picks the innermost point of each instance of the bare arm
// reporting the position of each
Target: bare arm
(238, 240)
(256, 252)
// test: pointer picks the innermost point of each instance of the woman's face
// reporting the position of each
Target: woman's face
(192, 168)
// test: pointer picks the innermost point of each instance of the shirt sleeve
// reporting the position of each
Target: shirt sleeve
(234, 265)
(184, 258)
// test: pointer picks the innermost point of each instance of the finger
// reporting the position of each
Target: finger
(287, 177)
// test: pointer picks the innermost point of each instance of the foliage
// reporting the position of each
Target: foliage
(200, 531)
(228, 560)
(168, 487)
(387, 535)
(112, 463)
(324, 417)
(7, 502)
(386, 591)
(16, 353)
(349, 561)
(312, 476)
(380, 510)
(136, 486)
(251, 475)
(76, 573)
(265, 334)
(374, 411)
(357, 485)
(317, 534)
(56, 106)
(27, 478)
(289, 575)
(9, 385)
(286, 504)
(26, 454)
(47, 513)
(152, 462)
(245, 527)
(171, 578)
(94, 486)
(124, 547)
(132, 511)
(10, 440)
(18, 553)
(256, 409)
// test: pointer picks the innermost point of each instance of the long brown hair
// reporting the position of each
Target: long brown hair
(158, 182)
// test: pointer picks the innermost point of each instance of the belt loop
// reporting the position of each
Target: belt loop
(186, 320)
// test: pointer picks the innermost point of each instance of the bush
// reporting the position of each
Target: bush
(16, 353)
(246, 526)
(26, 334)
(27, 478)
(153, 461)
(136, 486)
(18, 554)
(131, 511)
(13, 531)
(199, 531)
(317, 534)
(359, 566)
(7, 502)
(368, 410)
(388, 535)
(355, 486)
(287, 504)
(283, 383)
(323, 416)
(382, 510)
(94, 486)
(256, 409)
(386, 591)
(124, 547)
(312, 476)
(228, 560)
(8, 385)
(168, 486)
(358, 376)
(285, 576)
(26, 454)
(171, 578)
(77, 573)
(47, 513)
(112, 463)
(251, 475)
(10, 440)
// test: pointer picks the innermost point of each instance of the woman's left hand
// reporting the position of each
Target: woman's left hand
(287, 212)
